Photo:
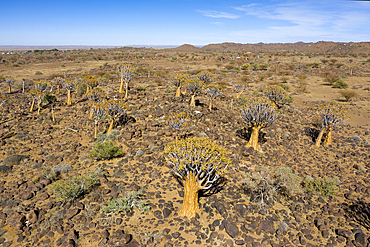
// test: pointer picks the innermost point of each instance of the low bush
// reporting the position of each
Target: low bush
(81, 88)
(131, 201)
(340, 84)
(348, 94)
(321, 186)
(106, 150)
(71, 188)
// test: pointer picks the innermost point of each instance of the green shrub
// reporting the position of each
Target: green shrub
(49, 98)
(255, 92)
(106, 150)
(81, 88)
(131, 201)
(289, 99)
(340, 84)
(285, 87)
(141, 88)
(71, 188)
(322, 186)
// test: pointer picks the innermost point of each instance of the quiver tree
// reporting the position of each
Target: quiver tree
(37, 96)
(58, 82)
(10, 82)
(96, 95)
(212, 92)
(206, 77)
(98, 111)
(125, 72)
(179, 122)
(114, 109)
(70, 85)
(239, 87)
(178, 79)
(199, 164)
(41, 85)
(276, 94)
(91, 82)
(332, 113)
(194, 87)
(258, 113)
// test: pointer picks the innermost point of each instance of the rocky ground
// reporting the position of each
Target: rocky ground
(32, 146)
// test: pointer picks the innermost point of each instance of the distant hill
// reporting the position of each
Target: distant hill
(321, 46)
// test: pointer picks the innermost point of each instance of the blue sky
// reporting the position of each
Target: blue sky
(177, 22)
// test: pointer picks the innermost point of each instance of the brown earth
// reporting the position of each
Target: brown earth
(30, 215)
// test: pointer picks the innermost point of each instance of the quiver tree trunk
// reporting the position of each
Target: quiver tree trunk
(319, 137)
(327, 140)
(190, 204)
(58, 90)
(32, 105)
(192, 101)
(69, 99)
(110, 126)
(10, 89)
(87, 90)
(126, 93)
(210, 105)
(178, 92)
(53, 114)
(121, 87)
(253, 140)
(38, 108)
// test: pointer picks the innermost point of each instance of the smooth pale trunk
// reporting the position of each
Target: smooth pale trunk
(69, 99)
(53, 114)
(87, 90)
(58, 89)
(32, 105)
(253, 140)
(192, 101)
(178, 92)
(110, 126)
(210, 105)
(319, 137)
(126, 93)
(190, 204)
(10, 89)
(121, 87)
(328, 138)
(39, 108)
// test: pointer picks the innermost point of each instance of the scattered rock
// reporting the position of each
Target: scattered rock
(231, 228)
(14, 159)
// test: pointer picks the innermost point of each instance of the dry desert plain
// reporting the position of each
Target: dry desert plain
(38, 152)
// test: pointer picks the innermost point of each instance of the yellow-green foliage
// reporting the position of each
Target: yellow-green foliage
(179, 121)
(106, 150)
(178, 78)
(194, 86)
(276, 94)
(114, 108)
(125, 71)
(239, 86)
(259, 112)
(96, 94)
(90, 81)
(322, 186)
(205, 76)
(36, 94)
(41, 85)
(199, 156)
(213, 91)
(332, 113)
(73, 187)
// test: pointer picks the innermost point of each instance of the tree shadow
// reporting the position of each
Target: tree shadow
(360, 212)
(312, 133)
(125, 119)
(245, 134)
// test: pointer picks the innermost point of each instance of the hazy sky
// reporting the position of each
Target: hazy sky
(177, 22)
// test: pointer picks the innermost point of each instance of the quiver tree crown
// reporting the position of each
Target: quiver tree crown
(91, 82)
(206, 77)
(276, 94)
(194, 87)
(125, 72)
(239, 87)
(258, 113)
(212, 92)
(114, 109)
(199, 164)
(58, 82)
(96, 94)
(41, 85)
(178, 79)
